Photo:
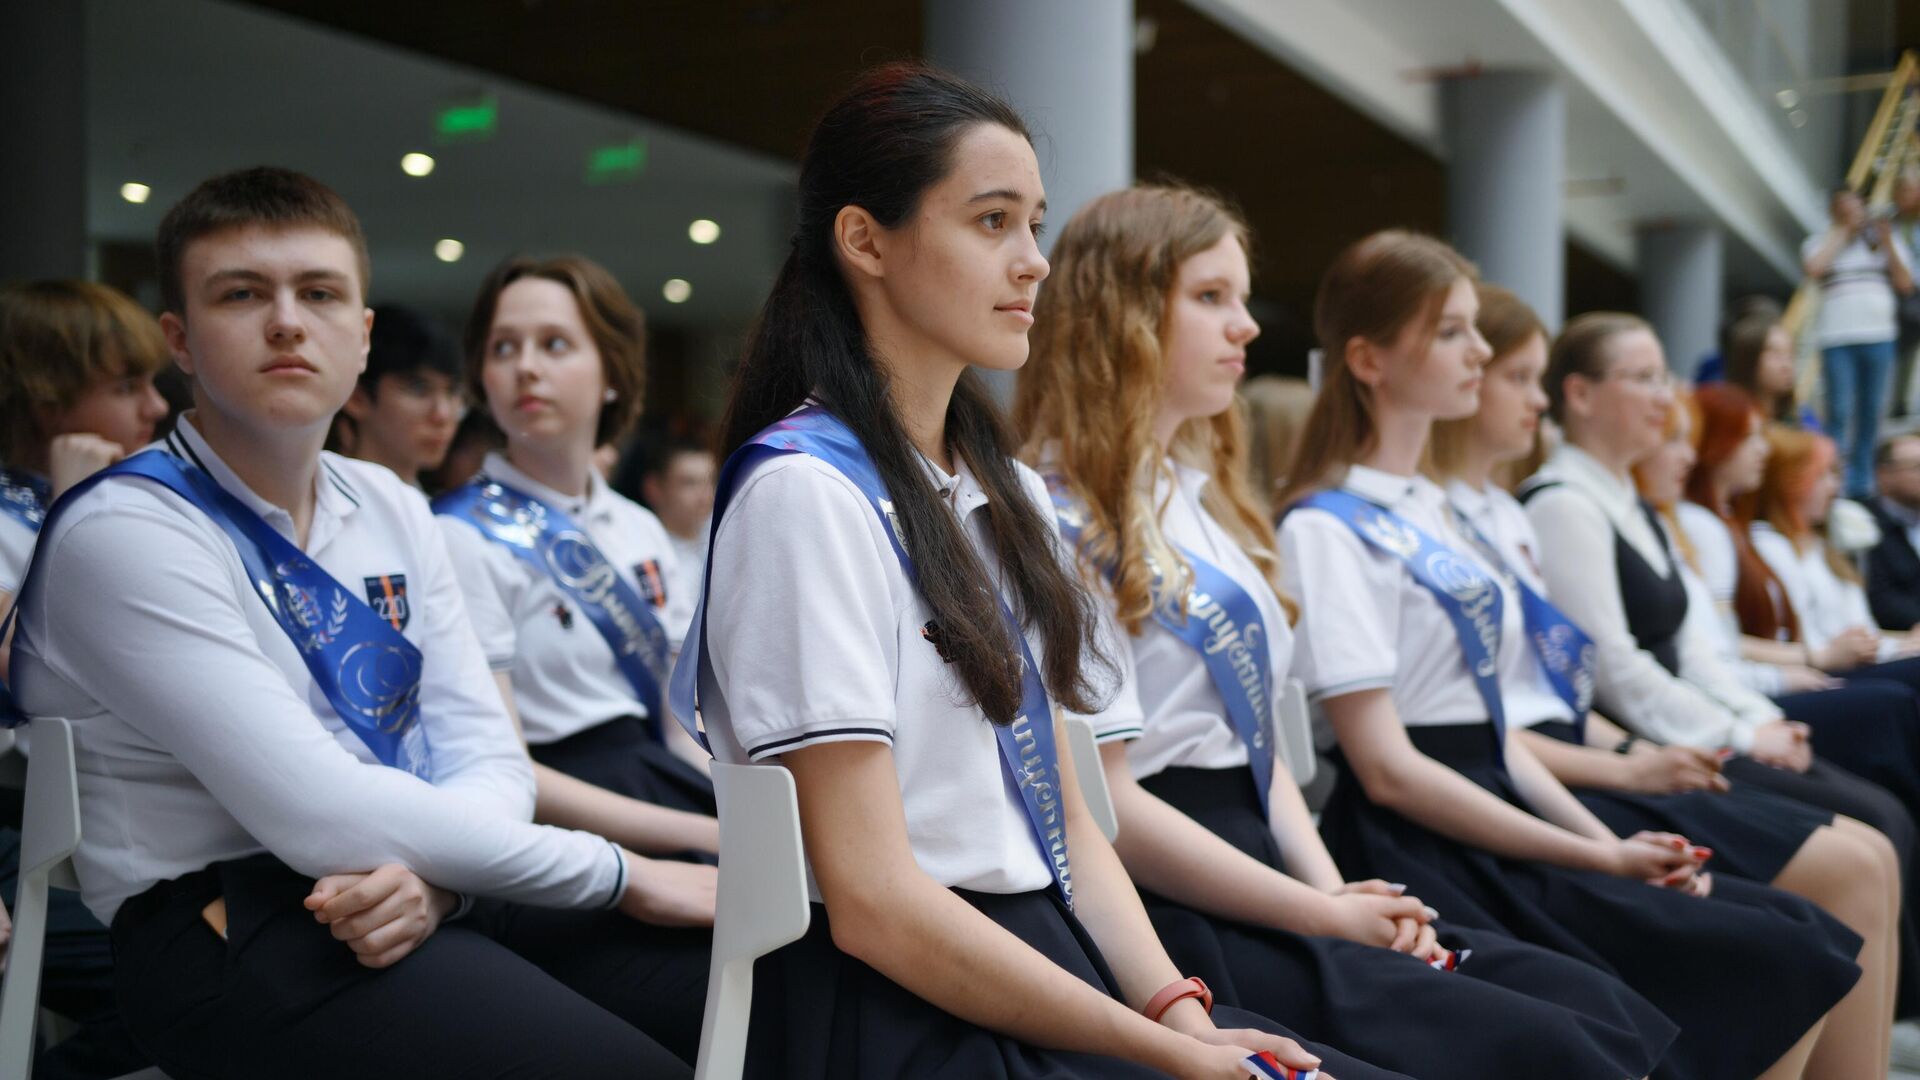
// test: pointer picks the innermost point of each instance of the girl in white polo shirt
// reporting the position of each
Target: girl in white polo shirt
(1148, 299)
(1629, 783)
(284, 797)
(566, 579)
(1411, 647)
(889, 614)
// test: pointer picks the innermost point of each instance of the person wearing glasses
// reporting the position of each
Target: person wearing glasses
(408, 402)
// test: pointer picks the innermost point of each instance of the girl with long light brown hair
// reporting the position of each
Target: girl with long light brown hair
(1415, 650)
(1127, 406)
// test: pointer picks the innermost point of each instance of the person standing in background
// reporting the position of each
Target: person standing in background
(1860, 266)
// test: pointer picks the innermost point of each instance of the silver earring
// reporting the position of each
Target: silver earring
(612, 395)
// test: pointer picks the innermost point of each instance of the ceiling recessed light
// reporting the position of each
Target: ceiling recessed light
(449, 250)
(416, 164)
(135, 193)
(676, 290)
(703, 231)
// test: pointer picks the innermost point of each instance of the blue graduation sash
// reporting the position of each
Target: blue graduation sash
(368, 671)
(1470, 598)
(23, 498)
(1223, 625)
(1027, 747)
(543, 536)
(1566, 652)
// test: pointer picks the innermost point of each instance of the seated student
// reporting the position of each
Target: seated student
(1893, 566)
(284, 797)
(408, 402)
(1759, 359)
(677, 485)
(566, 580)
(1414, 648)
(77, 362)
(1633, 784)
(1149, 297)
(1789, 516)
(868, 507)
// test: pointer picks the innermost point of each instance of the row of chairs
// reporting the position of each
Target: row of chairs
(762, 903)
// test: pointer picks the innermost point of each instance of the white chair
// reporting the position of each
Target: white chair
(1093, 776)
(49, 834)
(1295, 734)
(762, 903)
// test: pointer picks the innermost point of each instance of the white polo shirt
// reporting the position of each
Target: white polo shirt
(1365, 623)
(1166, 702)
(565, 679)
(201, 736)
(689, 577)
(814, 634)
(1578, 520)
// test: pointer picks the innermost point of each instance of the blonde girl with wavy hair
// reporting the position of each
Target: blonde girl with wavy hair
(1128, 406)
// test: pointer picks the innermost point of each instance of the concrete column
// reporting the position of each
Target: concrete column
(1506, 136)
(1681, 289)
(43, 140)
(1068, 69)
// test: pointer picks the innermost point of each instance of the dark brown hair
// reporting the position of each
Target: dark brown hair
(265, 196)
(57, 339)
(618, 331)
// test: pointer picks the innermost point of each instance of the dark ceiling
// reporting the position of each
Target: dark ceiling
(1311, 173)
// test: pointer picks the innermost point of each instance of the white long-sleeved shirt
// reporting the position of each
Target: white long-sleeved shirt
(202, 737)
(1577, 520)
(1828, 604)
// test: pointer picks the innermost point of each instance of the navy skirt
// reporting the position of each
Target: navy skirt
(1510, 1009)
(622, 755)
(1753, 832)
(1744, 973)
(819, 1014)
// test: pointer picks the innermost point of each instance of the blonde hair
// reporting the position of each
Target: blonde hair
(1375, 290)
(1088, 396)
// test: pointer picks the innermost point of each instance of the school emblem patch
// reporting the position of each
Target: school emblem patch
(387, 596)
(653, 584)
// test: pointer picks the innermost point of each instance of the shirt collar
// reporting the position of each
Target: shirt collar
(335, 496)
(1474, 502)
(497, 467)
(1387, 489)
(1575, 466)
(960, 488)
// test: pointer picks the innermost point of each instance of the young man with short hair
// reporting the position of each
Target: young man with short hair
(678, 487)
(288, 777)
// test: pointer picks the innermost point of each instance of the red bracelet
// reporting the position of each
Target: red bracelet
(1178, 990)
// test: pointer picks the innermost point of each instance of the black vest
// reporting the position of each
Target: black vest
(1656, 606)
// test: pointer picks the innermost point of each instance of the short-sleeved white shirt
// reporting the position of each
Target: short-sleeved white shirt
(1857, 303)
(814, 634)
(1365, 623)
(565, 679)
(1168, 704)
(201, 736)
(689, 576)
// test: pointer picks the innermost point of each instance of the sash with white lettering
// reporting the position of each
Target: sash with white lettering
(542, 535)
(1223, 624)
(1027, 748)
(1470, 598)
(23, 498)
(368, 672)
(1565, 650)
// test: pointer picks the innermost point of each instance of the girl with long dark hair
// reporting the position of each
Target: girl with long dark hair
(1128, 409)
(890, 615)
(1414, 648)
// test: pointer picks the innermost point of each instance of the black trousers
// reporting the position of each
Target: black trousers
(508, 991)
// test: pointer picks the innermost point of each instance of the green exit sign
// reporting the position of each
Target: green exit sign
(468, 120)
(617, 162)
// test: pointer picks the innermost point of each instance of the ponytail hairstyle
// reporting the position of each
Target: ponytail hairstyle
(880, 147)
(1724, 417)
(1376, 290)
(1087, 399)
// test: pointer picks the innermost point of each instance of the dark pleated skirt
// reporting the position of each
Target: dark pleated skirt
(622, 755)
(1509, 1010)
(1753, 832)
(1745, 973)
(819, 1014)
